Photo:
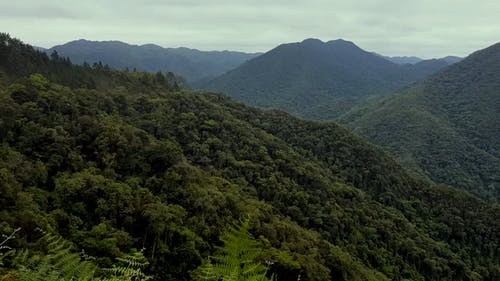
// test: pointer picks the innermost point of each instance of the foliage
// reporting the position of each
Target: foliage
(445, 127)
(236, 260)
(317, 80)
(189, 63)
(129, 268)
(57, 263)
(119, 167)
(20, 60)
(5, 250)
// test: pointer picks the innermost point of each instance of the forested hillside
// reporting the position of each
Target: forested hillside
(446, 127)
(403, 59)
(414, 60)
(191, 64)
(137, 164)
(317, 80)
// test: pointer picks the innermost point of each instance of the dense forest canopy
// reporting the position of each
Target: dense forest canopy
(317, 80)
(116, 162)
(191, 64)
(447, 127)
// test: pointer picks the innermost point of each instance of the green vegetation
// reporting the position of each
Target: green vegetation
(191, 64)
(57, 261)
(317, 80)
(236, 260)
(125, 166)
(20, 60)
(445, 128)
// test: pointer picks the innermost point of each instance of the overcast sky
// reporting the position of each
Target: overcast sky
(426, 28)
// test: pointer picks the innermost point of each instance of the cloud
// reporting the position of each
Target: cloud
(425, 28)
(22, 11)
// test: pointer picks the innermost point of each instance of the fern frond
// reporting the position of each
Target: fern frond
(236, 259)
(129, 268)
(6, 250)
(58, 263)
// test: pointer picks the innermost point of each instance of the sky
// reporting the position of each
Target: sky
(424, 28)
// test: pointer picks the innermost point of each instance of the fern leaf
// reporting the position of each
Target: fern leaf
(236, 261)
(58, 263)
(129, 268)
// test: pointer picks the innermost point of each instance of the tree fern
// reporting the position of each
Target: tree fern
(129, 268)
(4, 249)
(236, 259)
(59, 263)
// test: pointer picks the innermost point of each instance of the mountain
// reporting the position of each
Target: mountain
(404, 59)
(452, 59)
(446, 127)
(426, 67)
(191, 64)
(137, 163)
(42, 49)
(315, 79)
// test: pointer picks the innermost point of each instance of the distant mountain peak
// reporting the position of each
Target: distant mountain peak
(312, 41)
(336, 42)
(85, 42)
(342, 42)
(191, 64)
(151, 45)
(315, 79)
(82, 40)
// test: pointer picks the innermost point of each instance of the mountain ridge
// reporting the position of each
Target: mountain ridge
(192, 64)
(402, 60)
(304, 77)
(130, 161)
(453, 114)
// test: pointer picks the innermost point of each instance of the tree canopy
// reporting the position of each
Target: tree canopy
(121, 167)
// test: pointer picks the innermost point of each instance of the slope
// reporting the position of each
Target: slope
(446, 127)
(403, 59)
(314, 79)
(115, 168)
(191, 64)
(414, 60)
